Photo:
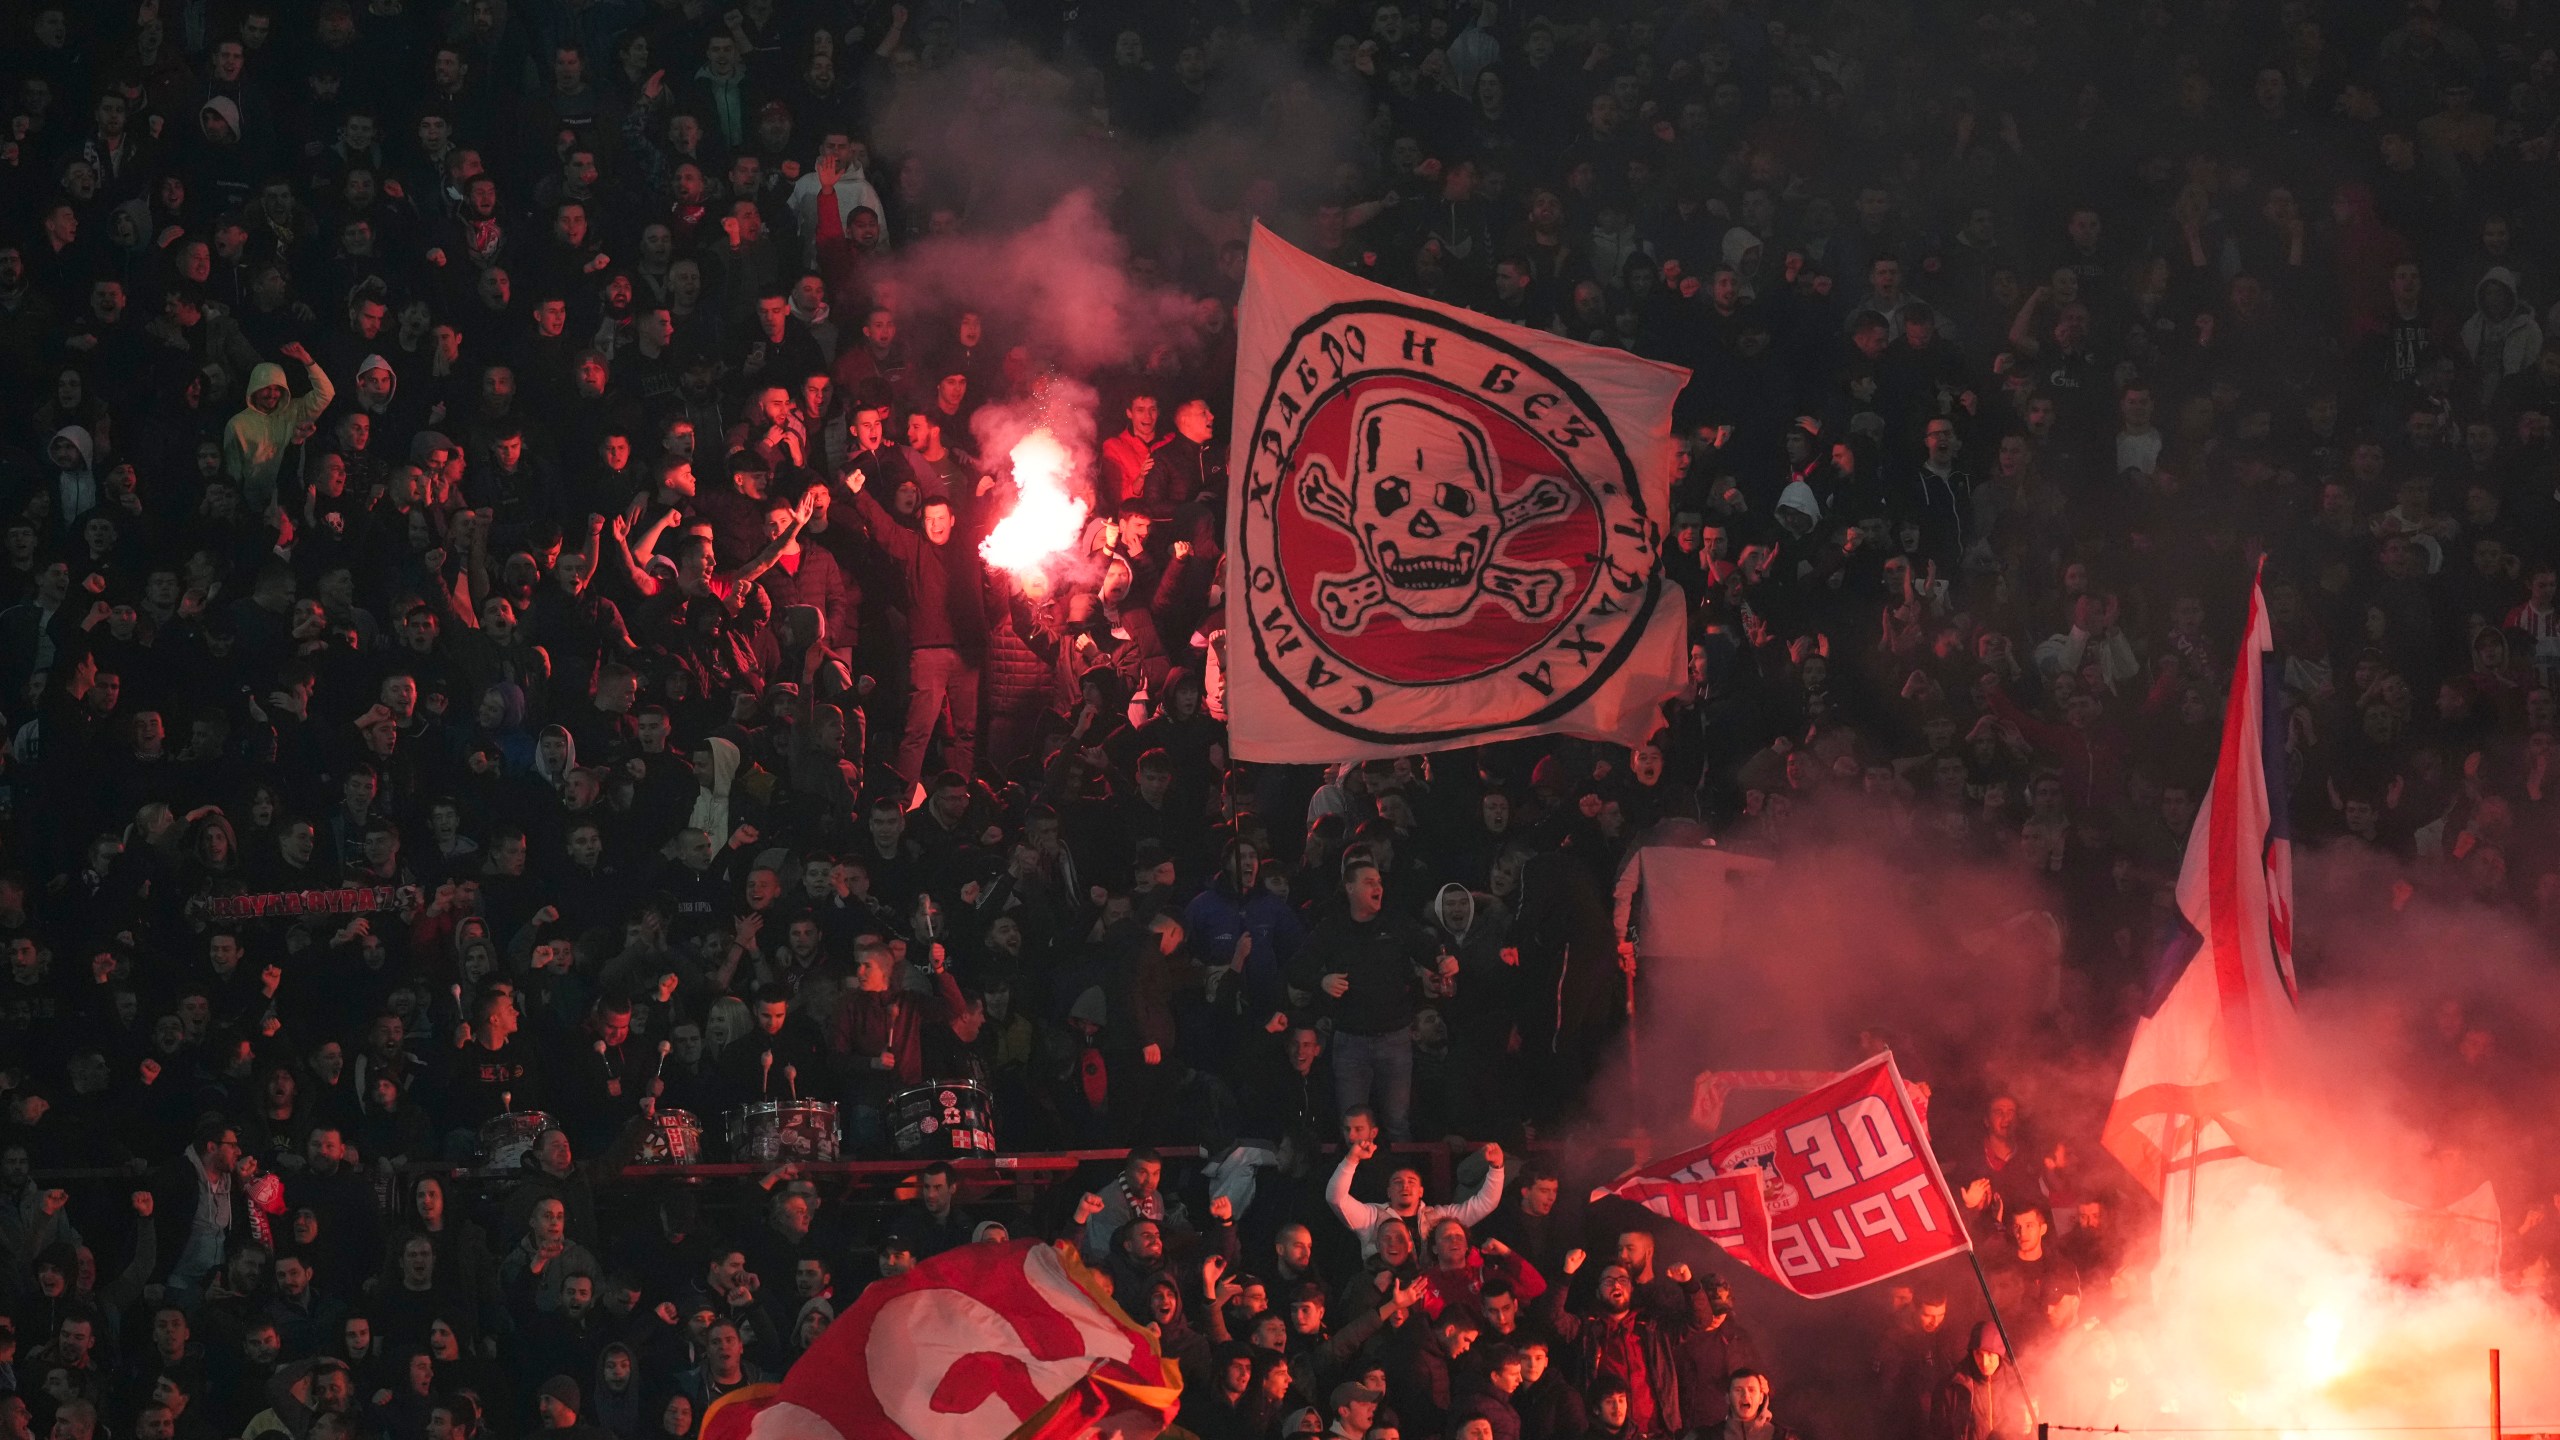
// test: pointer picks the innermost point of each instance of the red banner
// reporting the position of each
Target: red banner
(984, 1342)
(1828, 1192)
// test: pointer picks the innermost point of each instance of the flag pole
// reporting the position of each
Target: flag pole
(1635, 1055)
(2497, 1402)
(2195, 1139)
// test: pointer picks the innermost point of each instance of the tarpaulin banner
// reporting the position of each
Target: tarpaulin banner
(1828, 1192)
(1445, 529)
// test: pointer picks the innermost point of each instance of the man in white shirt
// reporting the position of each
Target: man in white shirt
(1404, 1198)
(2138, 440)
(853, 191)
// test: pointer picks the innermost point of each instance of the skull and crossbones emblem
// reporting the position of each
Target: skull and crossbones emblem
(1420, 503)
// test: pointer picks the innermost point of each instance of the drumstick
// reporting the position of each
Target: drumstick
(507, 1101)
(791, 1077)
(766, 1084)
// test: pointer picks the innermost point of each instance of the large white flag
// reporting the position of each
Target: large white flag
(1444, 528)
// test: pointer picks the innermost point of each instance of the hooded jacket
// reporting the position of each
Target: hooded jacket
(75, 492)
(1739, 246)
(223, 169)
(711, 807)
(400, 415)
(253, 444)
(1799, 496)
(2502, 347)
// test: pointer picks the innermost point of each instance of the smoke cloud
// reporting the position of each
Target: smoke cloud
(2346, 1294)
(1096, 249)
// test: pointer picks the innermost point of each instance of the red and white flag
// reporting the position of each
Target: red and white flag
(2221, 1027)
(985, 1342)
(1828, 1192)
(1445, 528)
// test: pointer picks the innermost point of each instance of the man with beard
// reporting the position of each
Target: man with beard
(1616, 1341)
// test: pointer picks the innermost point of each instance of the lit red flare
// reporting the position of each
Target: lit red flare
(1047, 517)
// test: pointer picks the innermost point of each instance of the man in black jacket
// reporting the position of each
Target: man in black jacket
(946, 627)
(1366, 964)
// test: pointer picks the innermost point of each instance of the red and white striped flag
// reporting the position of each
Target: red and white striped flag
(2221, 1030)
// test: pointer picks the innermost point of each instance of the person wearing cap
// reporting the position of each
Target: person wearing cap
(556, 1405)
(1982, 1398)
(1355, 1410)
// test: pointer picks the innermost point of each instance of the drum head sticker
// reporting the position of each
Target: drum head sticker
(1441, 534)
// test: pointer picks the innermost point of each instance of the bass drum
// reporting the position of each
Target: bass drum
(772, 1131)
(669, 1137)
(505, 1140)
(950, 1119)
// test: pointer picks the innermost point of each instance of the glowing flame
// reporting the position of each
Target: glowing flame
(1046, 519)
(2302, 1314)
(2322, 1360)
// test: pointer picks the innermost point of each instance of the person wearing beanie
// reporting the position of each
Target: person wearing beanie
(555, 1407)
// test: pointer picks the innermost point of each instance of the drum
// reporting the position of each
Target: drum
(949, 1118)
(771, 1131)
(506, 1139)
(670, 1137)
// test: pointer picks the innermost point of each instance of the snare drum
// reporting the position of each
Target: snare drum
(775, 1130)
(505, 1140)
(952, 1117)
(670, 1137)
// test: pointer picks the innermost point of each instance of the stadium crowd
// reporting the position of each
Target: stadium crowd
(487, 456)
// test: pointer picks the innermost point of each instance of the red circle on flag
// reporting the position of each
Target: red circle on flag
(1317, 554)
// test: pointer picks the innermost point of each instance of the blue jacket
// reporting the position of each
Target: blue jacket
(1217, 917)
